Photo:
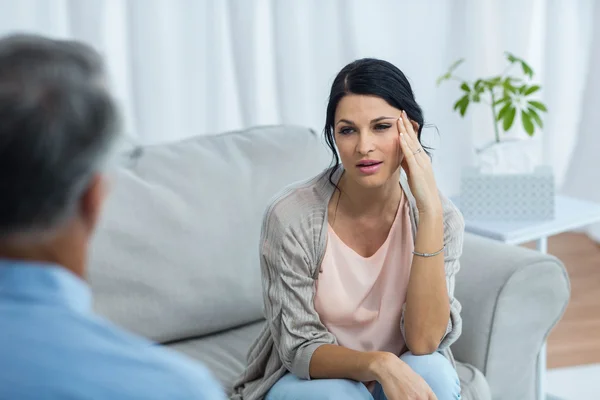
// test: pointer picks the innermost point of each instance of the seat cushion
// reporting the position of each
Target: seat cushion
(473, 383)
(225, 354)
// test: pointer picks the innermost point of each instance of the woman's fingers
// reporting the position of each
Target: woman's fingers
(408, 126)
(406, 149)
(401, 131)
(411, 137)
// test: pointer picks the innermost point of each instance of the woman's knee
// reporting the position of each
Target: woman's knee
(291, 387)
(438, 372)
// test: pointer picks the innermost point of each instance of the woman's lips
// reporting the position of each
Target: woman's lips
(369, 167)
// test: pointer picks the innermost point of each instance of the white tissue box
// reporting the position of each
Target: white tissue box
(508, 197)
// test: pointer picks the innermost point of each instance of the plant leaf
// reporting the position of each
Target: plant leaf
(522, 89)
(503, 111)
(510, 57)
(527, 124)
(527, 69)
(448, 74)
(507, 85)
(455, 64)
(536, 117)
(462, 105)
(465, 87)
(502, 100)
(443, 78)
(538, 105)
(509, 118)
(512, 78)
(532, 89)
(491, 82)
(460, 101)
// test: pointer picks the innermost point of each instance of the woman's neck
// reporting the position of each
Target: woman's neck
(370, 202)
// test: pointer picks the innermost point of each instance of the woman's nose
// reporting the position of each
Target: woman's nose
(365, 144)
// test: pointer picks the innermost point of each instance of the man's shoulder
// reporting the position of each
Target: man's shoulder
(99, 359)
(162, 365)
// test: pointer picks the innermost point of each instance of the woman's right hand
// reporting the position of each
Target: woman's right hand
(399, 381)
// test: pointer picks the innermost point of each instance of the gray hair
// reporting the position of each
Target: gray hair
(58, 124)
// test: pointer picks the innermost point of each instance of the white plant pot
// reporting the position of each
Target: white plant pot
(510, 157)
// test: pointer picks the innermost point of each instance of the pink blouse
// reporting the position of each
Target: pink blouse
(360, 299)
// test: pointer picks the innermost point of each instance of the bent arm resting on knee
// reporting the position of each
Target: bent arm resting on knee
(396, 377)
(427, 303)
(431, 319)
(337, 362)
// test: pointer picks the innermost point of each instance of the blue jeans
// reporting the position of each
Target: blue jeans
(434, 368)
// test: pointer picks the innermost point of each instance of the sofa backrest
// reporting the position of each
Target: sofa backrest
(176, 255)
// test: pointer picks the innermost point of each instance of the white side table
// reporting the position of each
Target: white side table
(569, 214)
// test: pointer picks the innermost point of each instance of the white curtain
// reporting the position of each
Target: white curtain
(583, 176)
(188, 67)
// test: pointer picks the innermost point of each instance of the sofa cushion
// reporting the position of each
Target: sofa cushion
(225, 355)
(176, 255)
(473, 384)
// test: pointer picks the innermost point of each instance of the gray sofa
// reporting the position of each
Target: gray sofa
(176, 260)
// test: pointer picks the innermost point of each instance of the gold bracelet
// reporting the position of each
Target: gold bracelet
(416, 253)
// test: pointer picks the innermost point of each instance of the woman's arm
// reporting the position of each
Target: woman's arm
(396, 377)
(337, 362)
(431, 314)
(442, 331)
(427, 304)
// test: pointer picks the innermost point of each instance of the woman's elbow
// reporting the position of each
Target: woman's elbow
(423, 347)
(423, 343)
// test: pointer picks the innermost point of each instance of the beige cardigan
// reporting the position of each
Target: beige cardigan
(292, 246)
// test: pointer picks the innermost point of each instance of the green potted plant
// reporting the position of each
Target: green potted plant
(507, 95)
(528, 194)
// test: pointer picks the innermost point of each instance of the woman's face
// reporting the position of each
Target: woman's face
(366, 135)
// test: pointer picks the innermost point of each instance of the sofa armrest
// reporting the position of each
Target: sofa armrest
(512, 297)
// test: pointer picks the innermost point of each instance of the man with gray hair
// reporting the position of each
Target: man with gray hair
(58, 127)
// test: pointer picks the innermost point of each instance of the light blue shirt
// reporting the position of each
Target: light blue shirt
(52, 346)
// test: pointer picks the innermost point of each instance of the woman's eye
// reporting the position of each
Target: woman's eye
(346, 131)
(382, 127)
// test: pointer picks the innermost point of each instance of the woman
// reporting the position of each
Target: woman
(358, 269)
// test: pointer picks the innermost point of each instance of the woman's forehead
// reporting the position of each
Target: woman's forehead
(364, 108)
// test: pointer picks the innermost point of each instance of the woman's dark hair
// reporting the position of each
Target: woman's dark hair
(370, 76)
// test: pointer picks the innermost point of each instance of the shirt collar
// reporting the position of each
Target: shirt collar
(43, 283)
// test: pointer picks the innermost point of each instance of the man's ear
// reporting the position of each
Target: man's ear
(93, 200)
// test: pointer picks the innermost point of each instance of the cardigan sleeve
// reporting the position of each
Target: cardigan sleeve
(288, 294)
